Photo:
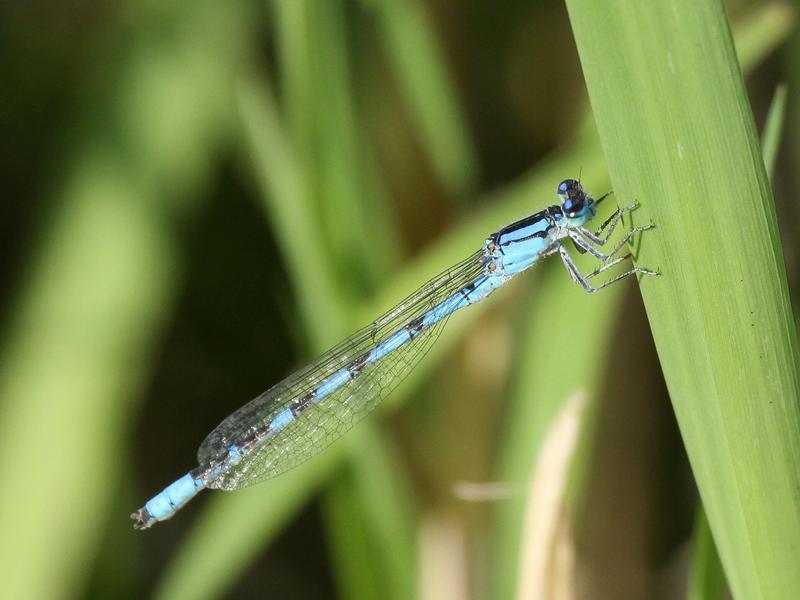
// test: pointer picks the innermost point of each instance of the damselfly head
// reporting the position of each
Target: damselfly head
(575, 203)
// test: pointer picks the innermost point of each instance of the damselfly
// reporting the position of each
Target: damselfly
(303, 414)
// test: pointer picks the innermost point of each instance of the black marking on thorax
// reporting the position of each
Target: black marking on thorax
(549, 215)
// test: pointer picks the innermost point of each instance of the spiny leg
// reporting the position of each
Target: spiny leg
(613, 219)
(573, 270)
(607, 266)
(615, 262)
(575, 236)
(633, 271)
(576, 276)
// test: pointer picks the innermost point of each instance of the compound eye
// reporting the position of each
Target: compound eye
(573, 198)
(572, 206)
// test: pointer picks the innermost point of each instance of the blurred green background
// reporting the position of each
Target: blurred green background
(201, 196)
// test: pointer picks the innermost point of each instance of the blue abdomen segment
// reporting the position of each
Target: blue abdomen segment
(333, 383)
(448, 307)
(483, 288)
(393, 343)
(281, 420)
(167, 502)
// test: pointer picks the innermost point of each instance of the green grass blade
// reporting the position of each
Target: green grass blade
(771, 138)
(81, 398)
(763, 24)
(323, 128)
(706, 579)
(296, 73)
(287, 203)
(679, 136)
(529, 415)
(101, 284)
(371, 522)
(429, 91)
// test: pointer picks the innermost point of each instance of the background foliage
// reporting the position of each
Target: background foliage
(200, 196)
